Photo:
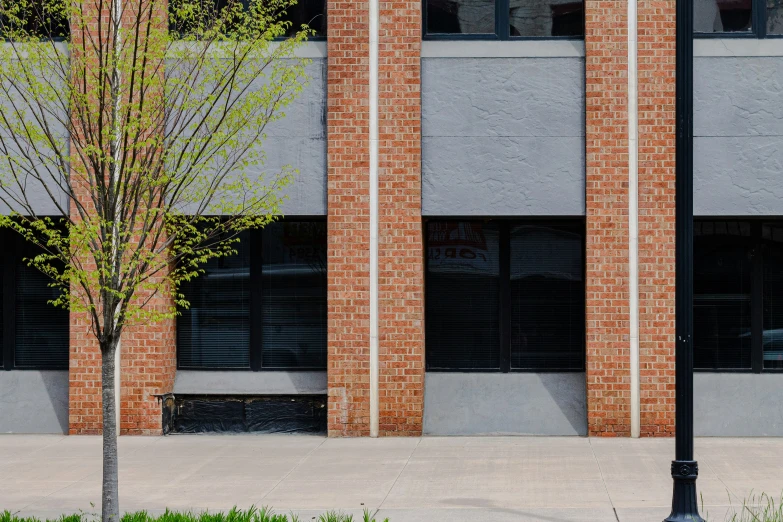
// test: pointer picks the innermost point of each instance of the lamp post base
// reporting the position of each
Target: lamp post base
(685, 506)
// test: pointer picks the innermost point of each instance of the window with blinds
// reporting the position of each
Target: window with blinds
(738, 295)
(34, 333)
(262, 308)
(505, 296)
(293, 292)
(723, 257)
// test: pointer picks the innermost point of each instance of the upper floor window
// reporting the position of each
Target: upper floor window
(738, 295)
(505, 295)
(311, 13)
(34, 19)
(261, 308)
(759, 18)
(503, 19)
(34, 334)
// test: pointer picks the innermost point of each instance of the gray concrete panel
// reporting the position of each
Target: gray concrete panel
(249, 383)
(738, 176)
(737, 405)
(34, 401)
(738, 96)
(503, 136)
(297, 140)
(477, 97)
(307, 193)
(25, 104)
(497, 176)
(738, 128)
(511, 403)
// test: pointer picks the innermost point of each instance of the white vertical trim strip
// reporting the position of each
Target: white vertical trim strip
(633, 215)
(374, 349)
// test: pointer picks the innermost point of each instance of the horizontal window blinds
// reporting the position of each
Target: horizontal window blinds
(262, 308)
(772, 337)
(215, 331)
(462, 305)
(294, 295)
(723, 253)
(505, 295)
(547, 298)
(41, 329)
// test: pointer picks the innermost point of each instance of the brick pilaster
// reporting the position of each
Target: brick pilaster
(401, 254)
(657, 43)
(606, 85)
(147, 351)
(348, 197)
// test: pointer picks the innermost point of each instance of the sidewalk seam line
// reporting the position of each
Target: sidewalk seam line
(603, 479)
(305, 457)
(407, 461)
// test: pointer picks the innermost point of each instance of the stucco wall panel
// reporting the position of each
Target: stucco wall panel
(503, 136)
(738, 130)
(34, 401)
(511, 403)
(738, 176)
(738, 96)
(500, 176)
(249, 383)
(737, 405)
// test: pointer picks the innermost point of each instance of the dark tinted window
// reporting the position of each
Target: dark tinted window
(462, 329)
(772, 338)
(263, 307)
(44, 19)
(460, 16)
(547, 298)
(775, 17)
(722, 16)
(294, 295)
(504, 295)
(722, 294)
(518, 18)
(34, 333)
(41, 328)
(546, 18)
(215, 331)
(311, 13)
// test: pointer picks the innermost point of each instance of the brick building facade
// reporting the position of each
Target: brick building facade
(524, 216)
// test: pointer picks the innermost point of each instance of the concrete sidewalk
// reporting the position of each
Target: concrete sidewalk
(428, 479)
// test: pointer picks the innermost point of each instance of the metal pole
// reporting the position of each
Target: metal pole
(684, 468)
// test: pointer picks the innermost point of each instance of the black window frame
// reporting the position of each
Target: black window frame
(756, 293)
(758, 29)
(255, 348)
(13, 252)
(505, 225)
(502, 27)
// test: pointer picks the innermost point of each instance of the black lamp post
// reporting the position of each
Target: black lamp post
(684, 468)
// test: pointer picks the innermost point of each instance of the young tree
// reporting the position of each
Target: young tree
(137, 126)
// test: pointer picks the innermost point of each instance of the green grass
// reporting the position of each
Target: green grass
(761, 508)
(234, 515)
(756, 508)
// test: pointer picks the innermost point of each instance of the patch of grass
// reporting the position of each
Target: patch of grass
(756, 508)
(252, 514)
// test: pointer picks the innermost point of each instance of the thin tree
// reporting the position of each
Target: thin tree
(131, 153)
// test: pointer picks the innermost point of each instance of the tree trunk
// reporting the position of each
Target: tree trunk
(110, 508)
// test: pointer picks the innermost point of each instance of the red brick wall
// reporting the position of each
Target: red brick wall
(348, 197)
(606, 80)
(656, 214)
(401, 255)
